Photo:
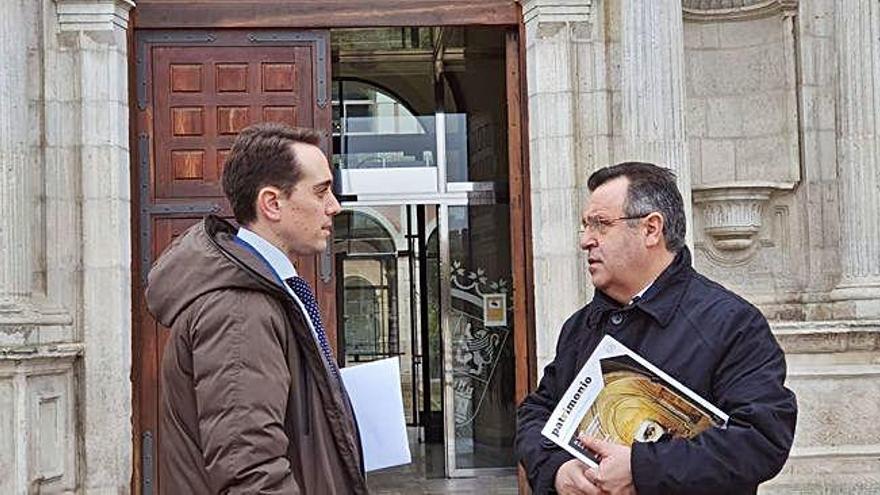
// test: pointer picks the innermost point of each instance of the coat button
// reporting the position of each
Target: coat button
(616, 319)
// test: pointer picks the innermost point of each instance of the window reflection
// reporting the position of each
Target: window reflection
(374, 129)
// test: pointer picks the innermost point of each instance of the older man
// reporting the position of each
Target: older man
(650, 298)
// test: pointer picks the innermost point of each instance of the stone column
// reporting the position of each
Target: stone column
(856, 31)
(17, 160)
(94, 32)
(551, 27)
(652, 90)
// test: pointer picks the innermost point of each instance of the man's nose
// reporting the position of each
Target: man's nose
(588, 240)
(333, 206)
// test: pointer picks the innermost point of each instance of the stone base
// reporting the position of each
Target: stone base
(37, 419)
(834, 369)
(866, 308)
(857, 301)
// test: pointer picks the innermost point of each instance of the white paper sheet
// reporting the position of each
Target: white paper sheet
(374, 390)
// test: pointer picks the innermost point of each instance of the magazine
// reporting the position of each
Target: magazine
(620, 397)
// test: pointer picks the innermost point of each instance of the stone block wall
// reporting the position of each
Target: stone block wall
(741, 101)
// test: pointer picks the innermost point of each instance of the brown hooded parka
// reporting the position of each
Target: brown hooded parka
(247, 404)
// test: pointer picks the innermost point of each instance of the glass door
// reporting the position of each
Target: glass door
(440, 298)
(478, 328)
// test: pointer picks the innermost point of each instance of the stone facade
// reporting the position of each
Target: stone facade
(774, 137)
(65, 263)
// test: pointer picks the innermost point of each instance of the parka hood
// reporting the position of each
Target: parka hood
(205, 258)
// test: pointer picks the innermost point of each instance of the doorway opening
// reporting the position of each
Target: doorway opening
(423, 246)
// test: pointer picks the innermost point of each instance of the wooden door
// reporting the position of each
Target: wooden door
(195, 90)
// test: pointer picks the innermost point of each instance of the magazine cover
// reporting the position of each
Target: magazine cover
(620, 397)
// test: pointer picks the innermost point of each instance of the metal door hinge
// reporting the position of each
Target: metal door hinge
(147, 463)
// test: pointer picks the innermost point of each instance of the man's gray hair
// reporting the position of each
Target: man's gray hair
(651, 188)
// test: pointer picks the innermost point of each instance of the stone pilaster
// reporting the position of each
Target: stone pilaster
(652, 90)
(856, 31)
(93, 33)
(17, 160)
(552, 27)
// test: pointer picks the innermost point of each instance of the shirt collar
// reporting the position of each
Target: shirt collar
(641, 293)
(276, 258)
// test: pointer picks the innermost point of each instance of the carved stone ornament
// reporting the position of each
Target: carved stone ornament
(720, 10)
(732, 216)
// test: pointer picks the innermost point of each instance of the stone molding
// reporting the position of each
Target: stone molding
(864, 289)
(24, 314)
(828, 337)
(857, 298)
(557, 10)
(51, 352)
(93, 15)
(847, 451)
(735, 10)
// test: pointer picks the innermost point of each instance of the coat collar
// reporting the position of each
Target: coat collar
(661, 300)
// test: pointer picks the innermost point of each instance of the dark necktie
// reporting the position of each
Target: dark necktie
(302, 290)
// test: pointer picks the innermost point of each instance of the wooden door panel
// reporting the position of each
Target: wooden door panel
(195, 91)
(166, 231)
(150, 339)
(205, 97)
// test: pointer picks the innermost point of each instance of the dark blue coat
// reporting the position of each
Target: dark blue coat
(709, 339)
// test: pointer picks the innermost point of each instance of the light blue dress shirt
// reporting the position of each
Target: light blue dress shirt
(280, 264)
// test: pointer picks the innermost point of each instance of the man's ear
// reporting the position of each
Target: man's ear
(268, 206)
(653, 228)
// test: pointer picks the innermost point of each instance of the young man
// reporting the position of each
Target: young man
(650, 298)
(252, 401)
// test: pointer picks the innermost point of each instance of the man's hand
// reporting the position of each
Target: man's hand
(572, 478)
(614, 475)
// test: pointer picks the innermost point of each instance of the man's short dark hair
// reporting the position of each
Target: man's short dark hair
(261, 156)
(651, 188)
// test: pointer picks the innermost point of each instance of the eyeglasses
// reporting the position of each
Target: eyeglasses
(601, 225)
